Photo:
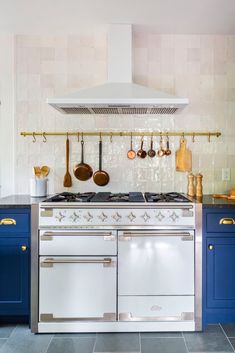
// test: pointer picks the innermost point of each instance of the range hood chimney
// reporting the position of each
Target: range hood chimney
(119, 95)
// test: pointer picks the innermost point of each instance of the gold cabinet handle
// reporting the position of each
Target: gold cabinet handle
(23, 247)
(227, 221)
(211, 247)
(7, 222)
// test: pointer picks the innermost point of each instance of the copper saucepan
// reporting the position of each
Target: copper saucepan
(82, 171)
(100, 177)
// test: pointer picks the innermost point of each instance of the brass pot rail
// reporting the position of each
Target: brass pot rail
(110, 134)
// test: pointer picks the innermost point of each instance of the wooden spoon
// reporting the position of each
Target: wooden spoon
(45, 171)
(37, 172)
(67, 177)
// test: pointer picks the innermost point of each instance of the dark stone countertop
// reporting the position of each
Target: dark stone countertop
(25, 201)
(209, 201)
(19, 201)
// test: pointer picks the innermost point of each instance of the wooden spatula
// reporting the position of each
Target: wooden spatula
(67, 177)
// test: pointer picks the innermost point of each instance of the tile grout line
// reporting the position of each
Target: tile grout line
(140, 341)
(185, 342)
(227, 337)
(6, 338)
(49, 343)
(95, 342)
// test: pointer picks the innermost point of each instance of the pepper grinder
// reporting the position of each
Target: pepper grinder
(191, 188)
(199, 185)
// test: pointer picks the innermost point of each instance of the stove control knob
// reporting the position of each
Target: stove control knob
(145, 217)
(160, 216)
(103, 217)
(117, 217)
(131, 217)
(74, 217)
(60, 216)
(174, 216)
(88, 217)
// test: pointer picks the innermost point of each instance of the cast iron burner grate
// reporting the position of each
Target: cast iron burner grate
(168, 197)
(70, 197)
(118, 197)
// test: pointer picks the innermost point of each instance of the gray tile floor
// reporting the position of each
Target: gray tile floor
(216, 338)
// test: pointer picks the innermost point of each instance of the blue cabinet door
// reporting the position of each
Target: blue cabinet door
(221, 272)
(218, 266)
(14, 276)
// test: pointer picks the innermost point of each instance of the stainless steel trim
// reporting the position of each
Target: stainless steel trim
(50, 318)
(186, 316)
(34, 269)
(113, 205)
(118, 227)
(198, 268)
(49, 262)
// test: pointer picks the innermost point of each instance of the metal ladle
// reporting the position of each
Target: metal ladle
(161, 151)
(142, 153)
(167, 151)
(151, 151)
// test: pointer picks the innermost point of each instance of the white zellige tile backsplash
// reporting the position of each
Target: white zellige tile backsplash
(200, 67)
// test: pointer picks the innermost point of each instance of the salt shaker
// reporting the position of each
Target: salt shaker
(191, 188)
(199, 185)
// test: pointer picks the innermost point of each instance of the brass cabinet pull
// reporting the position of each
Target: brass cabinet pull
(23, 247)
(7, 222)
(211, 247)
(227, 221)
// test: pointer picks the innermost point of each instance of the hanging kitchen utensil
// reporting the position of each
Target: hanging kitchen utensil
(141, 152)
(131, 154)
(45, 171)
(183, 157)
(67, 177)
(151, 151)
(82, 171)
(167, 151)
(100, 177)
(161, 151)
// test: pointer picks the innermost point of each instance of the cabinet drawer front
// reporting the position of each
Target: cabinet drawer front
(77, 288)
(78, 243)
(12, 223)
(156, 308)
(220, 222)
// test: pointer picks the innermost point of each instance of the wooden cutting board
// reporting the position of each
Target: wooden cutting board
(183, 157)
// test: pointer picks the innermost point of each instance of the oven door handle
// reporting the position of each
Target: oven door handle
(156, 234)
(127, 236)
(49, 262)
(49, 235)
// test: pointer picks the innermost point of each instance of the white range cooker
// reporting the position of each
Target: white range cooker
(116, 263)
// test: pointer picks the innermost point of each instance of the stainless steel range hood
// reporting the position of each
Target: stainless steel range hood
(119, 95)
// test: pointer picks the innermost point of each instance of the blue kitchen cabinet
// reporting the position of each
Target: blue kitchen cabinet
(218, 265)
(14, 262)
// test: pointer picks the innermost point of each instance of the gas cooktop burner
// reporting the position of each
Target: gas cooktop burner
(119, 197)
(70, 197)
(168, 197)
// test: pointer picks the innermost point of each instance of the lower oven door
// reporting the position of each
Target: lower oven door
(77, 288)
(156, 263)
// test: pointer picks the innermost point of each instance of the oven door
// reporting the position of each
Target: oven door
(77, 288)
(156, 262)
